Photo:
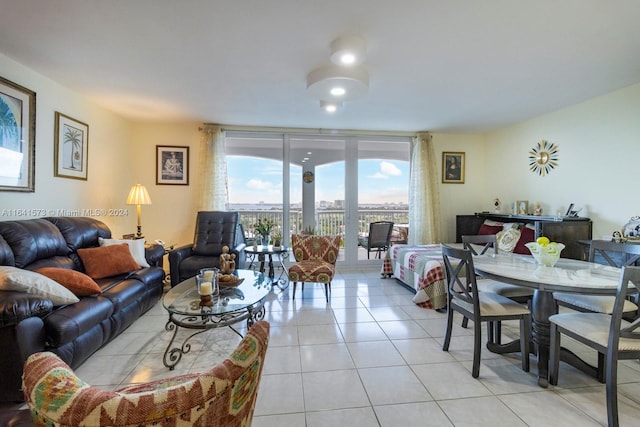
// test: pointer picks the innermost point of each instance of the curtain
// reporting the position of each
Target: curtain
(424, 197)
(213, 164)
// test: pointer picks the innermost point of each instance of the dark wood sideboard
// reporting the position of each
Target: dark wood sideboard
(567, 230)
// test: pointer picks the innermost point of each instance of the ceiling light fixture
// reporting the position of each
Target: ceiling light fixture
(344, 81)
(323, 82)
(330, 106)
(348, 50)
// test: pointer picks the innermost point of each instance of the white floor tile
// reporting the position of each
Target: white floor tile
(333, 390)
(392, 385)
(486, 411)
(423, 414)
(356, 417)
(371, 358)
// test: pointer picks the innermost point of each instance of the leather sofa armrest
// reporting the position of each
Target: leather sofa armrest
(241, 256)
(154, 253)
(175, 258)
(17, 306)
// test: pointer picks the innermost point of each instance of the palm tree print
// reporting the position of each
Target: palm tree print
(9, 135)
(74, 136)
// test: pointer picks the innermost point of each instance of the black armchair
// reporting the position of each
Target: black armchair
(214, 229)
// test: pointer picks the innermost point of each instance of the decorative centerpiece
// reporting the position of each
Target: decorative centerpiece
(544, 251)
(227, 261)
(263, 227)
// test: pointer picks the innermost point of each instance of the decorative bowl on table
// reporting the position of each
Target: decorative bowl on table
(229, 280)
(546, 254)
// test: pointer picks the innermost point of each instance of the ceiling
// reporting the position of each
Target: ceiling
(443, 66)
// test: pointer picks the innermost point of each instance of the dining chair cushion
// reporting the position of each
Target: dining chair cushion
(504, 289)
(595, 303)
(493, 305)
(594, 327)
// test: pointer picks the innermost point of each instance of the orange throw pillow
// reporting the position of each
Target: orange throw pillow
(79, 283)
(106, 261)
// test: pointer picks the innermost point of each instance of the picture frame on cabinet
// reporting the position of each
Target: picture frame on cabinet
(172, 165)
(523, 207)
(17, 137)
(71, 148)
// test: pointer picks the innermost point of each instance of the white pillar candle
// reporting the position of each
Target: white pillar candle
(208, 275)
(206, 288)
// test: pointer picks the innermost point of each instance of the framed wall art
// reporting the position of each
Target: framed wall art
(17, 137)
(452, 167)
(172, 165)
(71, 148)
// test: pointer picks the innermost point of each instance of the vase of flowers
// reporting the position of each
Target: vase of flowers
(263, 227)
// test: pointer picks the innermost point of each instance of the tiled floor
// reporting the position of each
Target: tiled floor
(372, 358)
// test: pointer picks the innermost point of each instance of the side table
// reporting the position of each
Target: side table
(260, 253)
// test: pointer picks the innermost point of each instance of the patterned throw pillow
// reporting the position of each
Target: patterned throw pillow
(507, 239)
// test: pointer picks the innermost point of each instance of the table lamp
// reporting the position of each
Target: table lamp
(138, 196)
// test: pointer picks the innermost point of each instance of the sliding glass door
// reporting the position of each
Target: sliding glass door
(319, 183)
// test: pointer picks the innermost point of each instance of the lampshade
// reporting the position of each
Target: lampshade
(138, 195)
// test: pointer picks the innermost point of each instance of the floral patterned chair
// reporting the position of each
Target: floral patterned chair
(316, 258)
(223, 396)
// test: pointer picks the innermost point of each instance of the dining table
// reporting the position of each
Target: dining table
(568, 275)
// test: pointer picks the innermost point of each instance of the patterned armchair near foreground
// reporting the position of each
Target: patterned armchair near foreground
(223, 396)
(316, 258)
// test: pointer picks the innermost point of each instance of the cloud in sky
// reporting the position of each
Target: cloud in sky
(258, 184)
(387, 169)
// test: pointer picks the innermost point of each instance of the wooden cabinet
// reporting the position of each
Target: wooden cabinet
(567, 230)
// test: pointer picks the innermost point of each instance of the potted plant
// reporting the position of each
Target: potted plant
(263, 227)
(277, 240)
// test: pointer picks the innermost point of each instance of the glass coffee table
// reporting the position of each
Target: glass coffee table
(234, 304)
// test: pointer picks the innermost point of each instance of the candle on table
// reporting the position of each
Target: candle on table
(208, 276)
(206, 288)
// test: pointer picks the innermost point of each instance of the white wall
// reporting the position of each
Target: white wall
(598, 143)
(171, 216)
(110, 163)
(467, 198)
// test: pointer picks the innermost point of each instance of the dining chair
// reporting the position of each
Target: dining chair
(612, 336)
(614, 254)
(378, 238)
(463, 297)
(487, 243)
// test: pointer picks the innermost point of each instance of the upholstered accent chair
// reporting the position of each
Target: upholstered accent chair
(378, 238)
(223, 396)
(214, 230)
(316, 258)
(463, 297)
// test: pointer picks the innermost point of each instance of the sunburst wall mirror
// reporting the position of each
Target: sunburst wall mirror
(543, 158)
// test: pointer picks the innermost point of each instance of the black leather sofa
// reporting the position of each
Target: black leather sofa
(30, 323)
(214, 230)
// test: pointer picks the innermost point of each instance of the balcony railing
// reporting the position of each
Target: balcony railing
(327, 221)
